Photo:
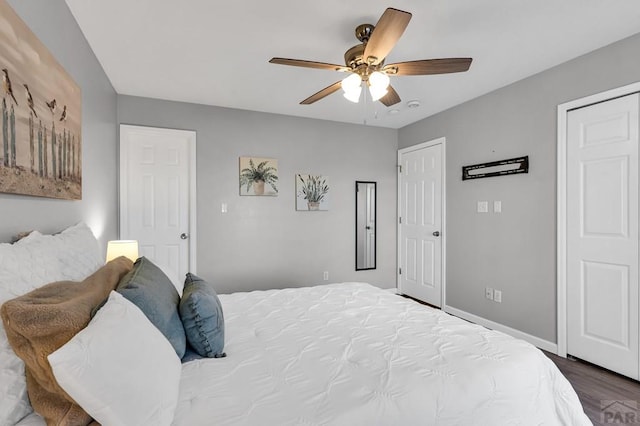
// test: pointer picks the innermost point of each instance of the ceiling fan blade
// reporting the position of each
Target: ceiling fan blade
(429, 66)
(321, 94)
(386, 34)
(309, 64)
(391, 98)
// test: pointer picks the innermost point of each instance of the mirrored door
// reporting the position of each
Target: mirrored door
(365, 225)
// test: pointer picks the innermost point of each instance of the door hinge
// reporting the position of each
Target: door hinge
(399, 271)
(399, 168)
(400, 220)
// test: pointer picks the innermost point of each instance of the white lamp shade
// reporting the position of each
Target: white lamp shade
(378, 85)
(126, 248)
(379, 79)
(377, 93)
(353, 94)
(351, 83)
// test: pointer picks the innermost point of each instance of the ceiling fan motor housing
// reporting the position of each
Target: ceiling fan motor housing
(353, 58)
(363, 32)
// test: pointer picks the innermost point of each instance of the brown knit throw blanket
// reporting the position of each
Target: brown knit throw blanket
(40, 322)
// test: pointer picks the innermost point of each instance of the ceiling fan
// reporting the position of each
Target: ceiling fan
(365, 62)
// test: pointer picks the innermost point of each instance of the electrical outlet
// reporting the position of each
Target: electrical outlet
(488, 293)
(325, 275)
(223, 208)
(497, 296)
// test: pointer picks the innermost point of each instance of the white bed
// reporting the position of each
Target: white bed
(344, 354)
(352, 354)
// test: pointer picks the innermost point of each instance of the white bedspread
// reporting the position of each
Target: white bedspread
(352, 354)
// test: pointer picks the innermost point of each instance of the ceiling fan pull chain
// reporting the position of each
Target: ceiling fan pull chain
(364, 106)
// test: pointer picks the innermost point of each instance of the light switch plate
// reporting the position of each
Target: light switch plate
(483, 207)
(497, 206)
(488, 293)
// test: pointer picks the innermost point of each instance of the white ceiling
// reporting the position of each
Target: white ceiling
(217, 53)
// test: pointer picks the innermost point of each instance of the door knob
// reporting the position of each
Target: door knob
(183, 236)
(436, 233)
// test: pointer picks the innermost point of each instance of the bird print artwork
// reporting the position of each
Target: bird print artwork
(52, 106)
(30, 100)
(6, 83)
(40, 154)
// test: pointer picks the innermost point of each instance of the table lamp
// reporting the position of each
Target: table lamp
(126, 248)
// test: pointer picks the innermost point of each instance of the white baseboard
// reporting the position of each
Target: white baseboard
(536, 341)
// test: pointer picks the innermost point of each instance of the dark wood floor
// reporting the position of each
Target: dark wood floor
(594, 385)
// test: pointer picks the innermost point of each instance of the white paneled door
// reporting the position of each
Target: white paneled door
(602, 234)
(420, 228)
(156, 195)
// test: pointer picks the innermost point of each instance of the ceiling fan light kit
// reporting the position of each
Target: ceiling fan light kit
(352, 86)
(365, 62)
(378, 86)
(353, 95)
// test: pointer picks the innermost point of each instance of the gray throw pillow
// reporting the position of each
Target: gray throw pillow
(151, 290)
(202, 317)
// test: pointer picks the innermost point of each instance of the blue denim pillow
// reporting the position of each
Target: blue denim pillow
(151, 290)
(202, 317)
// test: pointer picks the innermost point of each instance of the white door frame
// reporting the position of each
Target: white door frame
(443, 233)
(123, 193)
(561, 278)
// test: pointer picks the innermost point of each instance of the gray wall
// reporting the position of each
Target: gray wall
(56, 28)
(514, 251)
(263, 242)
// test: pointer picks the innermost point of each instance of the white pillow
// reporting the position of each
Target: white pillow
(120, 369)
(26, 265)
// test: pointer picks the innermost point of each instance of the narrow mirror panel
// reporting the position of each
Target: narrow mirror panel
(365, 225)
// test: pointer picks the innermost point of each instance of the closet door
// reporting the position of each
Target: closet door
(421, 222)
(602, 234)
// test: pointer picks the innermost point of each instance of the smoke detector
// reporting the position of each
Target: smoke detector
(413, 104)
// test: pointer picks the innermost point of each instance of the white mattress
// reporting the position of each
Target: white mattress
(352, 354)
